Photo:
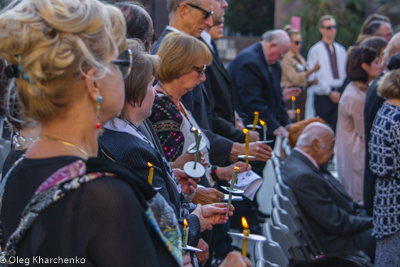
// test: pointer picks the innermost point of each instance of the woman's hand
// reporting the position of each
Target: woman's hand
(235, 259)
(182, 159)
(254, 136)
(206, 196)
(262, 152)
(211, 214)
(188, 184)
(202, 256)
(225, 173)
(187, 261)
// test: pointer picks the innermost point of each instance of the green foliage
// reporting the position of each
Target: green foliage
(250, 16)
(349, 16)
(390, 8)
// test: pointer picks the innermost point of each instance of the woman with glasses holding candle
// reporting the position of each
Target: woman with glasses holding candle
(362, 67)
(295, 73)
(129, 146)
(183, 62)
(68, 73)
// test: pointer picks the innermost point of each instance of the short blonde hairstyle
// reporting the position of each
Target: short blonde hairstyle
(53, 42)
(393, 47)
(179, 53)
(389, 85)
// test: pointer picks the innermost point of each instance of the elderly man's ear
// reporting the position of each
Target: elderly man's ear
(315, 145)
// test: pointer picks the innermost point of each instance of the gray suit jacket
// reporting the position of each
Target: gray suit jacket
(329, 210)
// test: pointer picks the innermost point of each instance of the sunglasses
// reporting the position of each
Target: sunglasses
(207, 14)
(199, 70)
(330, 27)
(124, 63)
(298, 42)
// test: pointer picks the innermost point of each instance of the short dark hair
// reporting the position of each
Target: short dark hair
(357, 56)
(373, 17)
(373, 27)
(138, 22)
(377, 43)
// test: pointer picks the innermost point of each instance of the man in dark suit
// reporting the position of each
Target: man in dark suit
(339, 223)
(256, 76)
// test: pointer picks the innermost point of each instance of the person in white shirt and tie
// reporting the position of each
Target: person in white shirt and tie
(331, 56)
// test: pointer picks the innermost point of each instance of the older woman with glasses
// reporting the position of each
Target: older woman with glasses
(362, 67)
(183, 62)
(58, 202)
(295, 73)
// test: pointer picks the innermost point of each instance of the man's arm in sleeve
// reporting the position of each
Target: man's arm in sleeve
(321, 88)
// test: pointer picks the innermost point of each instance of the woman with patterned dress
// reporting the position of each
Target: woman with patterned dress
(59, 204)
(362, 67)
(384, 147)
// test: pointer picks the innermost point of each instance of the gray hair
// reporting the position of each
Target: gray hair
(279, 36)
(392, 48)
(173, 5)
(313, 131)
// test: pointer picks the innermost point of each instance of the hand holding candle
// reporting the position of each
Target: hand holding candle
(151, 173)
(255, 120)
(247, 146)
(233, 182)
(185, 233)
(264, 125)
(246, 233)
(293, 102)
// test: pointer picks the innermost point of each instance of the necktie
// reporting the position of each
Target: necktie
(332, 59)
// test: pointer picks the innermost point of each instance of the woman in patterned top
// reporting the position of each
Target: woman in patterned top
(171, 120)
(384, 147)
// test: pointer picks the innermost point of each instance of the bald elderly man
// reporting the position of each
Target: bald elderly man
(339, 223)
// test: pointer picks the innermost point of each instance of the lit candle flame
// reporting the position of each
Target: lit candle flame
(262, 122)
(298, 111)
(184, 223)
(244, 223)
(256, 113)
(150, 165)
(236, 168)
(199, 132)
(245, 131)
(293, 98)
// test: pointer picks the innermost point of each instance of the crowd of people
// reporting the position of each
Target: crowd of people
(103, 115)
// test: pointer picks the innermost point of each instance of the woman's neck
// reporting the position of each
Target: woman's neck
(131, 115)
(394, 102)
(166, 88)
(361, 86)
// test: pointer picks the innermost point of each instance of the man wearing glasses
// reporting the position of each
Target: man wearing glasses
(331, 57)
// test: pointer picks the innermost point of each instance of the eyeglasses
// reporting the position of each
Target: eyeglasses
(329, 27)
(199, 70)
(124, 63)
(298, 42)
(207, 14)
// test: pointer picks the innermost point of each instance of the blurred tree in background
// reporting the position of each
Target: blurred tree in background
(249, 17)
(349, 16)
(390, 8)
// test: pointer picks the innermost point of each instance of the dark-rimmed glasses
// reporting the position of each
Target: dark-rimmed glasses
(330, 27)
(199, 70)
(207, 14)
(124, 63)
(297, 42)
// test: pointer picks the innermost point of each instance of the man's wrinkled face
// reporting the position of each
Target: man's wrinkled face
(219, 7)
(198, 17)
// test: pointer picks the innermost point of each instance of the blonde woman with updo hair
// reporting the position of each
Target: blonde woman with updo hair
(59, 204)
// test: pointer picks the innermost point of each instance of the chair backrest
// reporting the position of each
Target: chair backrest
(311, 238)
(285, 148)
(272, 252)
(275, 234)
(264, 263)
(291, 233)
